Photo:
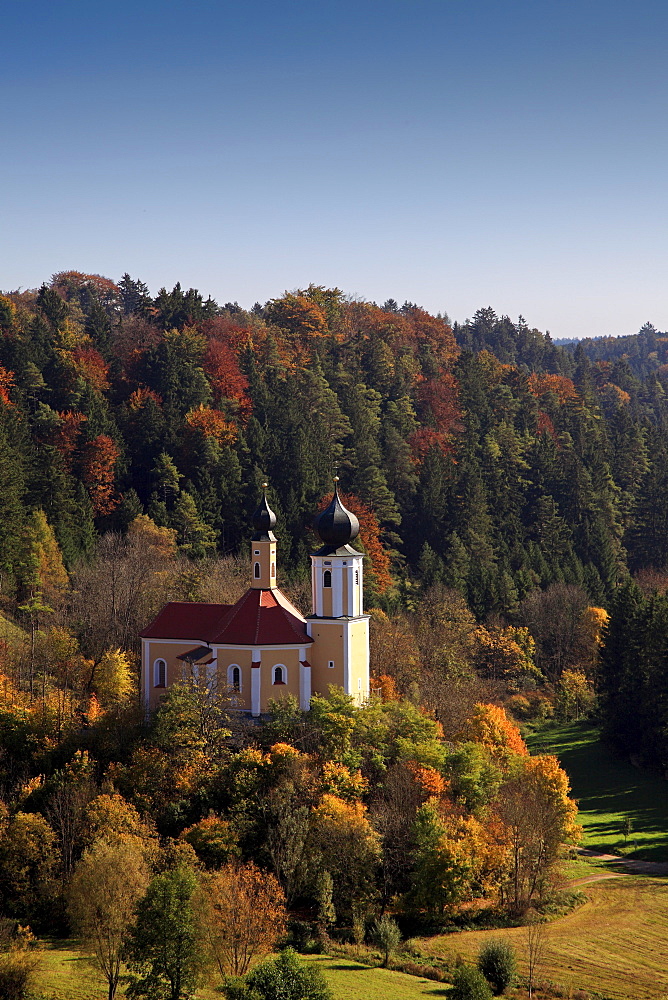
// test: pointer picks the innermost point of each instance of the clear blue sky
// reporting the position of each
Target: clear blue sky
(456, 153)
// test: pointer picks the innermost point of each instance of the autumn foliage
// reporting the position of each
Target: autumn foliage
(211, 423)
(242, 911)
(91, 366)
(6, 383)
(563, 388)
(490, 726)
(98, 465)
(227, 381)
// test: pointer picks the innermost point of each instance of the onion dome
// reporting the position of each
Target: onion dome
(264, 519)
(336, 526)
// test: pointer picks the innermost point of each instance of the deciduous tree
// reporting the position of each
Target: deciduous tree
(108, 882)
(242, 914)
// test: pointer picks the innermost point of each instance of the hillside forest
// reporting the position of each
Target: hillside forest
(514, 512)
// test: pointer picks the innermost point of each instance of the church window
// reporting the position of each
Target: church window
(273, 569)
(234, 677)
(331, 664)
(257, 571)
(280, 674)
(327, 578)
(256, 552)
(160, 674)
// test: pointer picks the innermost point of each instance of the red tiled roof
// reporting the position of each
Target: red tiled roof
(259, 618)
(262, 618)
(186, 620)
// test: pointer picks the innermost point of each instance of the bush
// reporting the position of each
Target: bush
(300, 935)
(387, 936)
(16, 971)
(468, 983)
(236, 988)
(496, 961)
(287, 978)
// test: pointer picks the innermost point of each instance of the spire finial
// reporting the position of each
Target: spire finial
(336, 525)
(264, 518)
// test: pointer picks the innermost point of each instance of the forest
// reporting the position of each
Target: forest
(513, 510)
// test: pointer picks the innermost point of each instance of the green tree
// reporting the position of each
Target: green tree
(164, 950)
(497, 963)
(324, 896)
(28, 863)
(387, 936)
(288, 978)
(468, 983)
(108, 882)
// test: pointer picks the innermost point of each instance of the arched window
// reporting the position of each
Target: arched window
(273, 569)
(256, 571)
(160, 674)
(234, 677)
(279, 674)
(327, 578)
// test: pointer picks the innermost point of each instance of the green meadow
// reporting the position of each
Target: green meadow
(609, 790)
(64, 974)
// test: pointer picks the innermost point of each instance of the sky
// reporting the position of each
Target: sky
(454, 153)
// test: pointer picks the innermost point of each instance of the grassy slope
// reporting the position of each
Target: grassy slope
(608, 790)
(65, 975)
(614, 945)
(351, 981)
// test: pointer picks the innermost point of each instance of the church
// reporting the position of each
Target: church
(262, 648)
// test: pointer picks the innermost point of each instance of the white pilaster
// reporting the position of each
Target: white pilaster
(146, 667)
(255, 687)
(304, 687)
(346, 657)
(337, 590)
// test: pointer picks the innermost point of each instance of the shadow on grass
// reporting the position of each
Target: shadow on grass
(609, 791)
(347, 967)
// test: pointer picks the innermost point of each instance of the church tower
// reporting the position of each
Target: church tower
(338, 626)
(263, 547)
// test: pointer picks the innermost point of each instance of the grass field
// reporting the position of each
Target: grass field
(613, 945)
(65, 975)
(608, 790)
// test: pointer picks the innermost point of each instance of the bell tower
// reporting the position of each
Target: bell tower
(338, 625)
(263, 546)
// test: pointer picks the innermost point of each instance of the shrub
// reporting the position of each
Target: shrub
(496, 961)
(236, 988)
(287, 978)
(468, 983)
(387, 936)
(16, 971)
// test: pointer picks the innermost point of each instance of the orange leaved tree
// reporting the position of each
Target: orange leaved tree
(242, 915)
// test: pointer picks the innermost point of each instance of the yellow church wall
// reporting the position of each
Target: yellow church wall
(328, 646)
(358, 649)
(263, 553)
(242, 659)
(289, 658)
(161, 650)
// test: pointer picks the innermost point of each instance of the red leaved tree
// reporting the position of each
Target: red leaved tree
(6, 382)
(227, 381)
(98, 464)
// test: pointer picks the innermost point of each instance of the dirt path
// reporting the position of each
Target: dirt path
(630, 866)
